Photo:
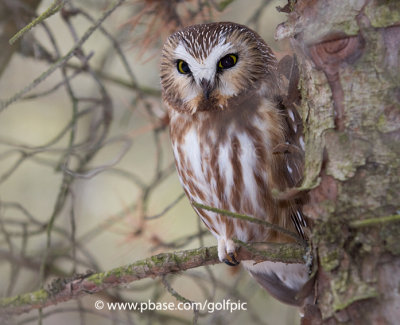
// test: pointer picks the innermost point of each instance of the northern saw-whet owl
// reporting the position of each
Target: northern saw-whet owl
(221, 88)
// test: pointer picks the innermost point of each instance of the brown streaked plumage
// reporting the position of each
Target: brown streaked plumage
(222, 91)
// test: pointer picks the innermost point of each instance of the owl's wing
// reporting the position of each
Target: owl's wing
(290, 99)
(299, 221)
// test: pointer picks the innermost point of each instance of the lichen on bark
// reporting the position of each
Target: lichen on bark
(350, 83)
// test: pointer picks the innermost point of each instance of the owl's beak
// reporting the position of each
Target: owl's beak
(206, 86)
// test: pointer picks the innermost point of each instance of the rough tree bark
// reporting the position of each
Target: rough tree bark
(348, 53)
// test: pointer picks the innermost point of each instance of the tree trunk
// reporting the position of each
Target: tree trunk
(348, 53)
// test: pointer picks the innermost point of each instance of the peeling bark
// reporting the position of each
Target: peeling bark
(348, 54)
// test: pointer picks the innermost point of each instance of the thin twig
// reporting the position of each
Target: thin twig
(62, 60)
(180, 298)
(375, 221)
(250, 219)
(54, 8)
(167, 208)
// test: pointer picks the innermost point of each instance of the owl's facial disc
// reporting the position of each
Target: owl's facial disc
(205, 73)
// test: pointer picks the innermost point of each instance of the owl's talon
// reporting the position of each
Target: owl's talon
(227, 262)
(233, 257)
(227, 251)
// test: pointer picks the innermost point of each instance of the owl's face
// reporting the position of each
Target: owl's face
(203, 66)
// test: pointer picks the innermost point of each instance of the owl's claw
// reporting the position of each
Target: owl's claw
(231, 259)
(227, 252)
(226, 261)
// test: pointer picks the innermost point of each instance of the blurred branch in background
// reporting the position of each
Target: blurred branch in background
(53, 9)
(14, 15)
(100, 132)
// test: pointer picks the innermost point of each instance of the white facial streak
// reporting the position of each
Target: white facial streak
(203, 69)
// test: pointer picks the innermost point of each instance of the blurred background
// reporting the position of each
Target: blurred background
(87, 179)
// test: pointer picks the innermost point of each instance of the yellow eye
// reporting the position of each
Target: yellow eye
(182, 67)
(228, 61)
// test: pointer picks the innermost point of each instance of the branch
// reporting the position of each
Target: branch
(61, 61)
(251, 219)
(13, 13)
(66, 289)
(53, 9)
(222, 5)
(153, 92)
(374, 221)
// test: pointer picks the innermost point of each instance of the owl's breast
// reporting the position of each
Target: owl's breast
(226, 167)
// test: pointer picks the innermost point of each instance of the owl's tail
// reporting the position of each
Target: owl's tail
(283, 281)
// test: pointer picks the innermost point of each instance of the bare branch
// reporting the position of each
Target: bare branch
(54, 8)
(61, 61)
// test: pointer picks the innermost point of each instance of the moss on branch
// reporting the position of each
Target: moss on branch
(154, 266)
(375, 221)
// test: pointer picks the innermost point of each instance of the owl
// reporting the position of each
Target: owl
(222, 92)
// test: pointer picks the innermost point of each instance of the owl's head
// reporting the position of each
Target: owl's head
(204, 66)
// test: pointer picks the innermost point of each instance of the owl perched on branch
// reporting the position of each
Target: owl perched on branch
(222, 90)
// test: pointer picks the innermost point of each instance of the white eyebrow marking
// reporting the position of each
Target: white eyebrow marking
(203, 69)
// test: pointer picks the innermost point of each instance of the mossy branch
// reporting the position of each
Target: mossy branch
(54, 8)
(274, 252)
(375, 221)
(66, 289)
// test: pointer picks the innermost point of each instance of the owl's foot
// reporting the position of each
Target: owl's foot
(231, 259)
(227, 252)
